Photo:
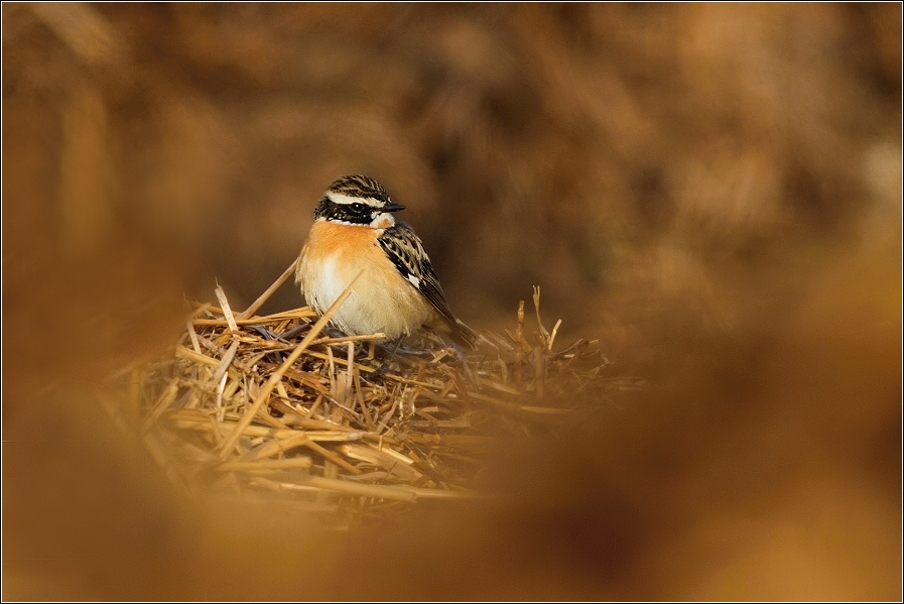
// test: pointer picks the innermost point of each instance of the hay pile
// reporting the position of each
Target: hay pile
(252, 403)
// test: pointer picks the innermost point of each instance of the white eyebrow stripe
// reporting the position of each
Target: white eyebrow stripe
(348, 200)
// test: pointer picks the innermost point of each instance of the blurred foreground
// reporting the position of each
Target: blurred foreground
(712, 191)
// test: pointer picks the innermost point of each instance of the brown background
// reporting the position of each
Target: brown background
(712, 191)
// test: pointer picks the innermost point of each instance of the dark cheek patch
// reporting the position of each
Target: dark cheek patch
(342, 212)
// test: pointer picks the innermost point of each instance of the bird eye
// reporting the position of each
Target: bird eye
(357, 207)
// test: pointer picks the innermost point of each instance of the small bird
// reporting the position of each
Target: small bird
(354, 232)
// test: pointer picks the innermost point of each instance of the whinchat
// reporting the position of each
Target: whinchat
(354, 232)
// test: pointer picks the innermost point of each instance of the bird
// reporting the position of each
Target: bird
(355, 232)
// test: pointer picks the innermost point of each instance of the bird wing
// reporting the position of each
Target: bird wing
(407, 253)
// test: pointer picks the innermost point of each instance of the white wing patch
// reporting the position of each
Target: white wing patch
(414, 281)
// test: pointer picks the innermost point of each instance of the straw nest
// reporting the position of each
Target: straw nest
(275, 403)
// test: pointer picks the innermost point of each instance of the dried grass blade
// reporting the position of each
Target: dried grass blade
(330, 456)
(280, 446)
(387, 459)
(248, 312)
(349, 372)
(224, 363)
(193, 336)
(227, 310)
(398, 493)
(166, 399)
(537, 308)
(197, 357)
(552, 336)
(292, 463)
(277, 375)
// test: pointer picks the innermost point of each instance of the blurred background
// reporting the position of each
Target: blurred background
(712, 191)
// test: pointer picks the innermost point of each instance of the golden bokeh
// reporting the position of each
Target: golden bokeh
(713, 191)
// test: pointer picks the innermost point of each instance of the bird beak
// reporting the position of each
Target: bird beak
(392, 207)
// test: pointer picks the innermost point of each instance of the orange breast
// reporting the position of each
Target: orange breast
(327, 239)
(382, 300)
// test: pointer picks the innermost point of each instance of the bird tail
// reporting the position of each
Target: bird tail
(464, 335)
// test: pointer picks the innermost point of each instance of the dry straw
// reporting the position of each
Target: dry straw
(248, 403)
